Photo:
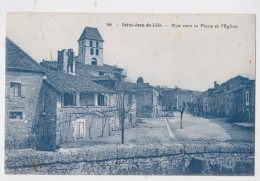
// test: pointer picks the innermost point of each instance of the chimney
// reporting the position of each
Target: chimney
(215, 84)
(71, 62)
(62, 60)
(66, 61)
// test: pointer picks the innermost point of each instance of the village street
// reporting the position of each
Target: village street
(167, 130)
(209, 130)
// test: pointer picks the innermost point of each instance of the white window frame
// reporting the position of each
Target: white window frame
(22, 90)
(19, 91)
(16, 111)
(247, 98)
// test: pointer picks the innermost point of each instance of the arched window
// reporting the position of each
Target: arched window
(94, 61)
(91, 51)
(91, 43)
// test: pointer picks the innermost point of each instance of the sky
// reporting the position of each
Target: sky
(170, 55)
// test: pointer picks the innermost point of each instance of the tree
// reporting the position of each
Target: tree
(206, 110)
(182, 108)
(199, 107)
(104, 115)
(125, 99)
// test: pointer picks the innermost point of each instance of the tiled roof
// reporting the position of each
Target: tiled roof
(91, 33)
(104, 68)
(102, 77)
(66, 83)
(144, 86)
(17, 59)
(224, 87)
(125, 86)
(84, 70)
(80, 67)
(251, 84)
(239, 77)
(51, 65)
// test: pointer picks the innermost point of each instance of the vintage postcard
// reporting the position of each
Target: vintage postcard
(130, 94)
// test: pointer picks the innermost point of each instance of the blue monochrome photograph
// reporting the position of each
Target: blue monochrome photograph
(130, 94)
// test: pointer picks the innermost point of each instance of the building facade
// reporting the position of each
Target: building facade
(173, 98)
(147, 100)
(23, 82)
(233, 99)
(90, 47)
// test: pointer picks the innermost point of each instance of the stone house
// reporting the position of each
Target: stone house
(73, 108)
(147, 100)
(173, 98)
(23, 83)
(79, 98)
(234, 99)
(168, 99)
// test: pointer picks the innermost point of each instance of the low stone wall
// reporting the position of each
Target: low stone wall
(167, 159)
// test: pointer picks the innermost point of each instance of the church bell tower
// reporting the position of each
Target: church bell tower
(90, 47)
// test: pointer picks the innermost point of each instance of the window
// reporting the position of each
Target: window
(79, 130)
(101, 100)
(94, 61)
(16, 116)
(69, 99)
(247, 98)
(87, 99)
(15, 89)
(91, 43)
(101, 73)
(97, 44)
(91, 51)
(97, 52)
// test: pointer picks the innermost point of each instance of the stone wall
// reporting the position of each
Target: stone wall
(96, 122)
(18, 133)
(44, 127)
(167, 159)
(144, 102)
(84, 55)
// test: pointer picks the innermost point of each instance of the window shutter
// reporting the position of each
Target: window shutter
(23, 90)
(7, 90)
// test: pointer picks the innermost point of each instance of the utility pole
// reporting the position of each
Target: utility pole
(51, 55)
(182, 111)
(177, 98)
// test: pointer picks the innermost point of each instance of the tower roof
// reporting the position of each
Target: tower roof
(91, 33)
